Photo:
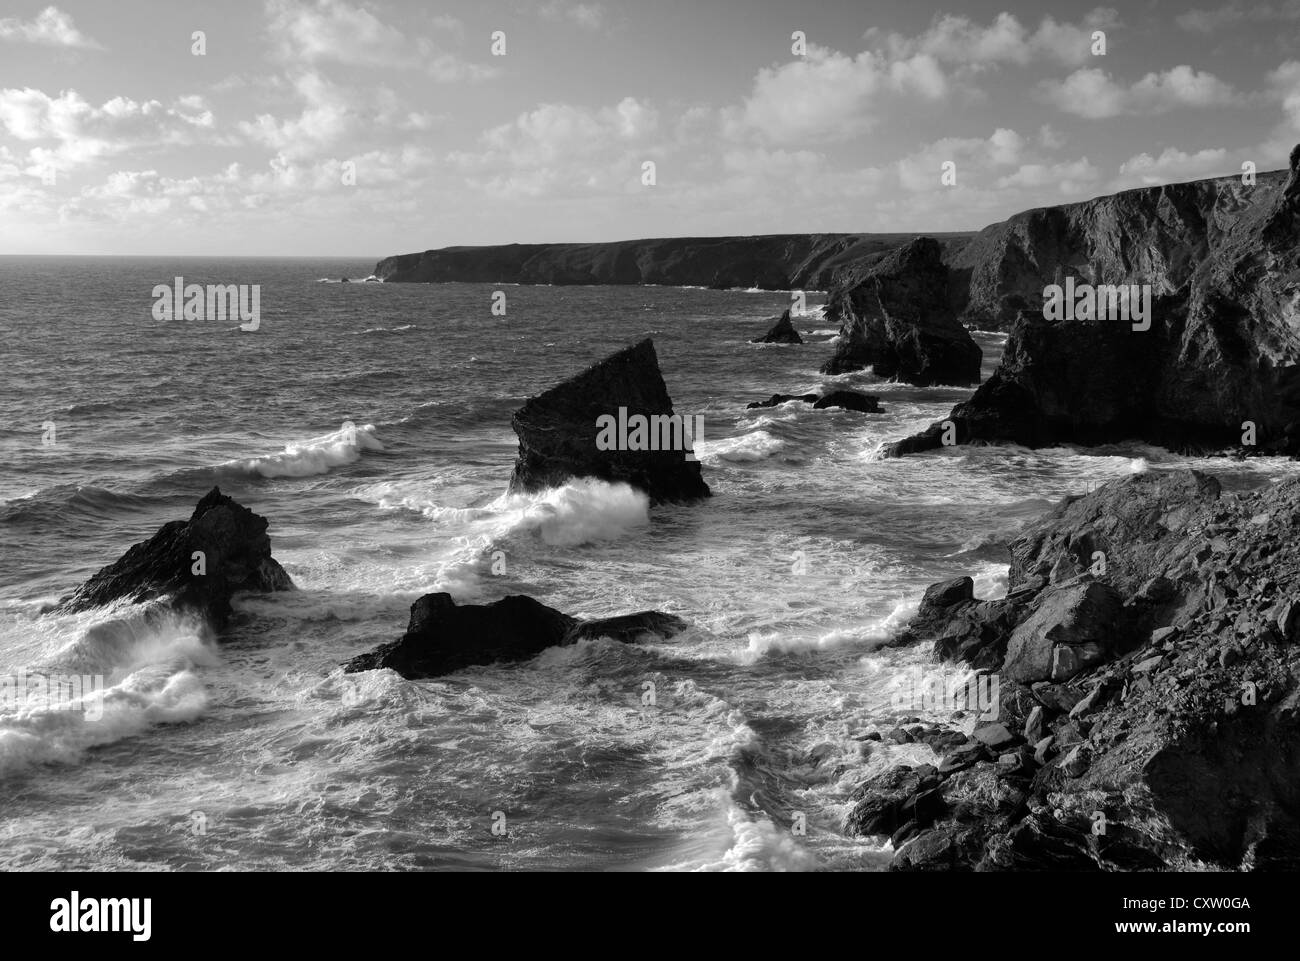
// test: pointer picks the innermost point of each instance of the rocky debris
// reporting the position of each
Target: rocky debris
(195, 565)
(444, 636)
(846, 399)
(1169, 743)
(899, 321)
(558, 431)
(1222, 350)
(782, 332)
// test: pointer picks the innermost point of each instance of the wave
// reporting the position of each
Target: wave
(318, 455)
(113, 680)
(384, 330)
(581, 511)
(754, 446)
(873, 633)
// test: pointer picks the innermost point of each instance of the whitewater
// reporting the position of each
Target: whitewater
(370, 423)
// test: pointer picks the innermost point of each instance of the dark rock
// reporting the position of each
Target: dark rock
(236, 557)
(947, 593)
(1071, 628)
(443, 636)
(849, 400)
(782, 332)
(558, 431)
(898, 320)
(777, 399)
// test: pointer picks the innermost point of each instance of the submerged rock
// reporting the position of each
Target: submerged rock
(444, 636)
(777, 400)
(197, 565)
(849, 400)
(558, 431)
(782, 332)
(899, 320)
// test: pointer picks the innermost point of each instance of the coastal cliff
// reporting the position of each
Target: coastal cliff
(767, 262)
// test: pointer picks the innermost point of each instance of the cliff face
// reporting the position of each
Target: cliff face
(1223, 347)
(897, 319)
(770, 262)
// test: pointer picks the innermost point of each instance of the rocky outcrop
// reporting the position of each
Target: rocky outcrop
(195, 565)
(770, 262)
(444, 636)
(1219, 366)
(899, 320)
(561, 432)
(1148, 657)
(845, 399)
(782, 332)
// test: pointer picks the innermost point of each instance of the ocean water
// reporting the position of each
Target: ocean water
(258, 753)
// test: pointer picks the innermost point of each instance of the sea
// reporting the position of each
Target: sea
(370, 423)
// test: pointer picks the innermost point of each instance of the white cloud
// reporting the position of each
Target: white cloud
(957, 39)
(588, 16)
(1068, 177)
(51, 27)
(828, 96)
(1171, 166)
(322, 31)
(1091, 92)
(974, 157)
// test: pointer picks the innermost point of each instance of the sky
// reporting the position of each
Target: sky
(354, 128)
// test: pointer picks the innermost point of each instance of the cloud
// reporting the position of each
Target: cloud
(954, 39)
(1069, 177)
(1216, 18)
(829, 96)
(83, 133)
(1171, 166)
(921, 170)
(307, 32)
(588, 16)
(1091, 93)
(52, 27)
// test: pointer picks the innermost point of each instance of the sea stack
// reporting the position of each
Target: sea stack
(444, 636)
(782, 332)
(564, 432)
(196, 565)
(898, 319)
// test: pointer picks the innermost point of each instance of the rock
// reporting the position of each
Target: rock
(558, 431)
(1034, 725)
(1094, 701)
(778, 399)
(1288, 620)
(880, 800)
(1076, 762)
(629, 628)
(1072, 627)
(963, 757)
(994, 736)
(444, 636)
(782, 332)
(948, 593)
(849, 400)
(235, 557)
(1043, 749)
(898, 320)
(1220, 349)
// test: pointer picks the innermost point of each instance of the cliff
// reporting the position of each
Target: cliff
(1217, 366)
(768, 262)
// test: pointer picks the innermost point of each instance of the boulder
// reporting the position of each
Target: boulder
(782, 332)
(777, 400)
(899, 321)
(444, 636)
(195, 565)
(849, 400)
(1072, 628)
(558, 431)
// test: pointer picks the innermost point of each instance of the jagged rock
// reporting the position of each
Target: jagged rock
(1223, 347)
(898, 321)
(558, 431)
(235, 557)
(778, 399)
(444, 636)
(1071, 628)
(782, 332)
(849, 400)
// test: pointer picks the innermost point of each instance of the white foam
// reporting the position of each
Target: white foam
(317, 455)
(583, 510)
(746, 448)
